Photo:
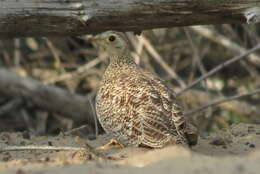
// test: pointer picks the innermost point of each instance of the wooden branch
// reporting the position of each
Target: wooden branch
(200, 98)
(50, 98)
(222, 100)
(75, 17)
(219, 67)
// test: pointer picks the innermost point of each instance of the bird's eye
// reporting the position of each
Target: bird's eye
(111, 38)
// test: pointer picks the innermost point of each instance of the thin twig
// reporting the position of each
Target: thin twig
(228, 43)
(94, 116)
(218, 101)
(195, 52)
(17, 52)
(72, 131)
(80, 70)
(219, 67)
(57, 60)
(199, 65)
(160, 60)
(138, 46)
(56, 55)
(24, 148)
(224, 41)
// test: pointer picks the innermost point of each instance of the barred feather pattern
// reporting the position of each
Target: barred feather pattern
(137, 108)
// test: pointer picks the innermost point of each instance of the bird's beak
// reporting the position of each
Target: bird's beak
(98, 42)
(95, 39)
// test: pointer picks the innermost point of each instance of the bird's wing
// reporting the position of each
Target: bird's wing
(168, 96)
(184, 128)
(153, 106)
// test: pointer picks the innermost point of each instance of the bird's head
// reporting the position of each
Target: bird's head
(115, 43)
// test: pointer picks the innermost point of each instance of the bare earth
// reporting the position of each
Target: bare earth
(232, 151)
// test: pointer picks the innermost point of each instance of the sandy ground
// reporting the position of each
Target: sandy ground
(232, 151)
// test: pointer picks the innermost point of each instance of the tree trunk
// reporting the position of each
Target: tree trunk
(21, 18)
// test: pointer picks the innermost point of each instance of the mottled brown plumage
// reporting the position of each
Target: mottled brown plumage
(133, 105)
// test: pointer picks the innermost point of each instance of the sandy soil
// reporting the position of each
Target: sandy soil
(232, 151)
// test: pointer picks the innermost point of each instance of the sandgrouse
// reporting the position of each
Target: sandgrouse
(133, 105)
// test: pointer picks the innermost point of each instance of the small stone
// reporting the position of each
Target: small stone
(251, 129)
(218, 142)
(26, 135)
(6, 157)
(22, 143)
(50, 143)
(252, 146)
(20, 171)
(224, 147)
(247, 143)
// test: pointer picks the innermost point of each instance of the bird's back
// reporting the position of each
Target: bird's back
(138, 108)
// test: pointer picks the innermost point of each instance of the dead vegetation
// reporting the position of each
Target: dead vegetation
(178, 55)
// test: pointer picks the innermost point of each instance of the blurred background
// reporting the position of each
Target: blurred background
(177, 55)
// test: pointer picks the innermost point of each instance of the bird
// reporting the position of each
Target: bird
(135, 106)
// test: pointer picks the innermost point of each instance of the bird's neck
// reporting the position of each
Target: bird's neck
(121, 60)
(118, 65)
